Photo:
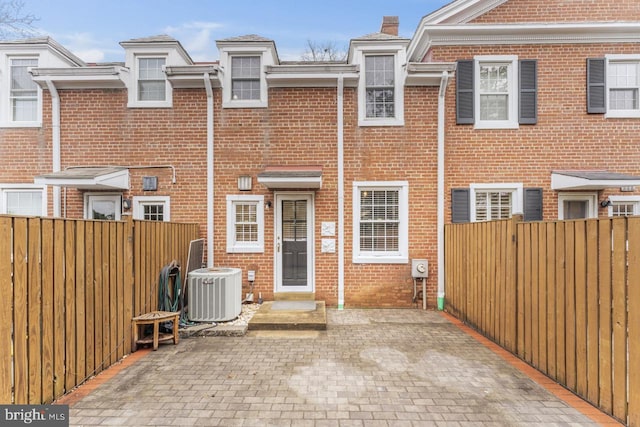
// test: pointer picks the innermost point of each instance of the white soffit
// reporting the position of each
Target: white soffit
(591, 180)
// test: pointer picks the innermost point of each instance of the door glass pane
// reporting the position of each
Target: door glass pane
(103, 209)
(575, 209)
(294, 220)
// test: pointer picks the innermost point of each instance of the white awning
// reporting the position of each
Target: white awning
(88, 178)
(292, 177)
(591, 180)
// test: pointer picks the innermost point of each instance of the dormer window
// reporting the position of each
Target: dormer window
(244, 81)
(380, 86)
(152, 84)
(23, 94)
(244, 62)
(245, 78)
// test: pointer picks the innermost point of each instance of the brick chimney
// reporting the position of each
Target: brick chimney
(390, 25)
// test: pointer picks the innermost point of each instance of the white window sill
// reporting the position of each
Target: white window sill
(380, 259)
(245, 249)
(150, 104)
(623, 114)
(20, 124)
(380, 122)
(496, 125)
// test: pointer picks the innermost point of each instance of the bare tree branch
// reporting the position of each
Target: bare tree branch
(323, 51)
(14, 21)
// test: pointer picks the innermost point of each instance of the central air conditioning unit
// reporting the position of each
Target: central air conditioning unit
(214, 294)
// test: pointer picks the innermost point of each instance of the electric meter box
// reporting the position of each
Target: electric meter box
(419, 268)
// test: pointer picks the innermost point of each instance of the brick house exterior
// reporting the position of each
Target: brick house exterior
(332, 177)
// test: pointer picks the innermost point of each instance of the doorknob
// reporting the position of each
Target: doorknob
(278, 247)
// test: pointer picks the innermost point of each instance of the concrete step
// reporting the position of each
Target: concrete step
(294, 296)
(290, 315)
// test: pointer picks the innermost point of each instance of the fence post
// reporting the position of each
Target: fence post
(512, 299)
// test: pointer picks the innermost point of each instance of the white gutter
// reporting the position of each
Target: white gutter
(441, 200)
(340, 125)
(207, 85)
(55, 135)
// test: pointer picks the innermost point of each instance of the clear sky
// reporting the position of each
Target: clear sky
(92, 29)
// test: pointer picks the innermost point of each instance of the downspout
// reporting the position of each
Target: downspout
(207, 85)
(55, 135)
(441, 140)
(340, 125)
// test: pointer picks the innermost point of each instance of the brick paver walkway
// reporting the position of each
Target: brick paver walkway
(370, 368)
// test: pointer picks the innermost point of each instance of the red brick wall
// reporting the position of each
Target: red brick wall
(562, 11)
(565, 138)
(299, 128)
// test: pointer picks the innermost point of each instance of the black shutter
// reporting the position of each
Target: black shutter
(464, 92)
(596, 78)
(532, 204)
(460, 205)
(528, 108)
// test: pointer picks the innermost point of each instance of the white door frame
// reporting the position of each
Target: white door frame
(277, 241)
(111, 197)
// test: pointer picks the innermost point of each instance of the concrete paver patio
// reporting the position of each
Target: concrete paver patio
(369, 368)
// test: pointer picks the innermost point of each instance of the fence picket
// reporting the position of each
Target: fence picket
(634, 321)
(79, 302)
(581, 307)
(58, 308)
(552, 308)
(6, 312)
(619, 318)
(542, 298)
(97, 297)
(106, 305)
(90, 283)
(605, 378)
(69, 302)
(20, 331)
(34, 319)
(592, 311)
(48, 325)
(535, 294)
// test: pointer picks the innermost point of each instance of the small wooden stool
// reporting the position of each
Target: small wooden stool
(155, 318)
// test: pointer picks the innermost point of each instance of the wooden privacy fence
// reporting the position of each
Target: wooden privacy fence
(563, 296)
(70, 289)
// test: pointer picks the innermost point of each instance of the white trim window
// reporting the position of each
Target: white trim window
(490, 202)
(577, 205)
(244, 80)
(151, 88)
(23, 199)
(102, 206)
(380, 222)
(624, 205)
(245, 224)
(623, 86)
(496, 100)
(152, 208)
(24, 93)
(381, 85)
(151, 81)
